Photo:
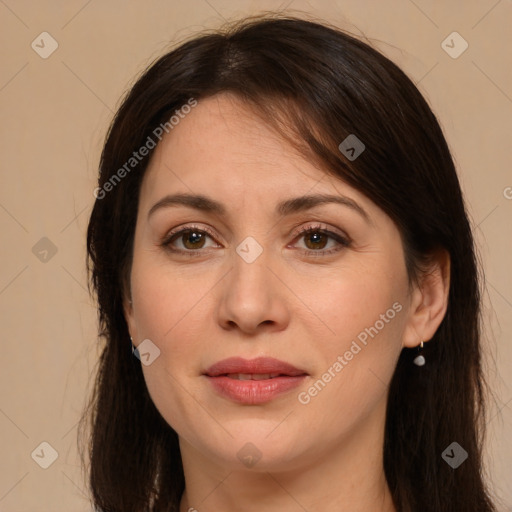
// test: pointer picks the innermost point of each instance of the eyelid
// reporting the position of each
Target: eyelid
(341, 238)
(320, 227)
(181, 229)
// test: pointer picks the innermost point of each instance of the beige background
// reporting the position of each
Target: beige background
(55, 113)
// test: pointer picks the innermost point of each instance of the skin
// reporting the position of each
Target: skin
(305, 309)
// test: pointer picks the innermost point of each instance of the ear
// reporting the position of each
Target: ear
(129, 316)
(429, 301)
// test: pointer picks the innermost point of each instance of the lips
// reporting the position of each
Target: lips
(253, 376)
(253, 381)
(253, 367)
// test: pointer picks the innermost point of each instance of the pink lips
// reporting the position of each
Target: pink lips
(253, 381)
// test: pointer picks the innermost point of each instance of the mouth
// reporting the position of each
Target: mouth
(253, 369)
(255, 381)
(252, 376)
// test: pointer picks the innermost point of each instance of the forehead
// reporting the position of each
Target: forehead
(221, 148)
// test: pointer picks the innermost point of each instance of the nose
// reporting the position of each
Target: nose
(253, 298)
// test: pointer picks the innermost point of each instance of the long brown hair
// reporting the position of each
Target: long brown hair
(316, 84)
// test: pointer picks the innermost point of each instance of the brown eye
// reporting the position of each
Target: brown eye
(189, 240)
(316, 240)
(192, 239)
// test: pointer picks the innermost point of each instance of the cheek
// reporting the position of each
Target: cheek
(357, 300)
(363, 312)
(168, 320)
(166, 309)
(164, 304)
(165, 300)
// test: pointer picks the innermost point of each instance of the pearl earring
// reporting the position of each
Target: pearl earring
(419, 360)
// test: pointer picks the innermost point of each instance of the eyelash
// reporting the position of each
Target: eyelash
(344, 242)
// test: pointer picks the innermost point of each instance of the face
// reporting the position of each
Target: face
(321, 287)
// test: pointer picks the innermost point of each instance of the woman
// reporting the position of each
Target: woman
(280, 232)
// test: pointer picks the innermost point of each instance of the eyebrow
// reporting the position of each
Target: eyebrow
(286, 207)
